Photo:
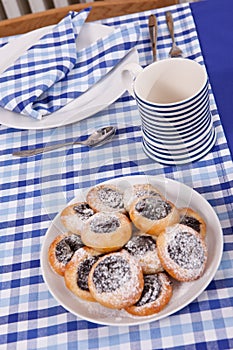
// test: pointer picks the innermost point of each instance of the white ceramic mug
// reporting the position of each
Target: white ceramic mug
(167, 83)
(172, 94)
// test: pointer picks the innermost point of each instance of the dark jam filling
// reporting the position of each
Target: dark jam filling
(83, 272)
(140, 245)
(104, 224)
(66, 248)
(191, 222)
(153, 208)
(83, 210)
(110, 274)
(186, 251)
(111, 198)
(151, 291)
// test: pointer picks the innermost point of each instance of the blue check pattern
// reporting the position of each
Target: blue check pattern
(34, 189)
(52, 73)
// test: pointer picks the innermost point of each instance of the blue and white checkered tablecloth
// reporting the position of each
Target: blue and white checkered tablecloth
(34, 189)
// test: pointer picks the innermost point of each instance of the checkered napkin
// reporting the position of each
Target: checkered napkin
(52, 73)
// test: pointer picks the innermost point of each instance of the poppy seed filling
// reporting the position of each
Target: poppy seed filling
(151, 291)
(140, 245)
(186, 251)
(153, 208)
(104, 224)
(111, 198)
(191, 222)
(67, 247)
(83, 210)
(110, 274)
(83, 272)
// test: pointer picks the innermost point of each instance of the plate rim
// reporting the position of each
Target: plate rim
(146, 319)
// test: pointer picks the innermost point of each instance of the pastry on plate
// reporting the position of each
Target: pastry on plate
(155, 296)
(75, 215)
(182, 252)
(77, 272)
(107, 198)
(139, 190)
(191, 218)
(107, 232)
(116, 280)
(61, 251)
(143, 248)
(152, 214)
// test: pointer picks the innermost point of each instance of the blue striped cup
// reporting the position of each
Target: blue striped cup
(171, 94)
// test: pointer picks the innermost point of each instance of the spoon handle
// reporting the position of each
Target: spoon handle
(153, 34)
(170, 25)
(33, 152)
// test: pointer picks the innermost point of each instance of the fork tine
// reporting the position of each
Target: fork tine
(175, 50)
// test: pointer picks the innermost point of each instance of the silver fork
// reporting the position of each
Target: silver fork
(175, 50)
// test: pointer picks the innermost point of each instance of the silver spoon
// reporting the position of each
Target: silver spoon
(99, 137)
(175, 50)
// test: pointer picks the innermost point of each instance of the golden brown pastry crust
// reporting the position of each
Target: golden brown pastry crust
(182, 252)
(74, 216)
(152, 224)
(76, 272)
(107, 232)
(107, 198)
(116, 280)
(191, 218)
(155, 296)
(59, 254)
(143, 248)
(137, 191)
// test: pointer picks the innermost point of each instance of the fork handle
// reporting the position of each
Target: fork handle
(33, 152)
(170, 25)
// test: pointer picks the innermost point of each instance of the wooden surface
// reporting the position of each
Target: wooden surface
(100, 10)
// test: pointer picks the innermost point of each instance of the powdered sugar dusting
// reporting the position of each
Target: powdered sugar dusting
(102, 223)
(140, 245)
(185, 249)
(111, 198)
(112, 273)
(83, 211)
(153, 208)
(118, 281)
(67, 246)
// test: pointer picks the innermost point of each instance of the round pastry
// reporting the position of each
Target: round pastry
(106, 198)
(143, 248)
(152, 214)
(192, 219)
(75, 215)
(116, 280)
(61, 251)
(106, 232)
(155, 296)
(77, 272)
(139, 190)
(183, 252)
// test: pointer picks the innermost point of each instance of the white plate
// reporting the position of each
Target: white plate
(183, 293)
(98, 97)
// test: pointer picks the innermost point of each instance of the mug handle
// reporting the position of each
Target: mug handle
(129, 73)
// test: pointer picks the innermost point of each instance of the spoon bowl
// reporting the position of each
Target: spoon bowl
(97, 138)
